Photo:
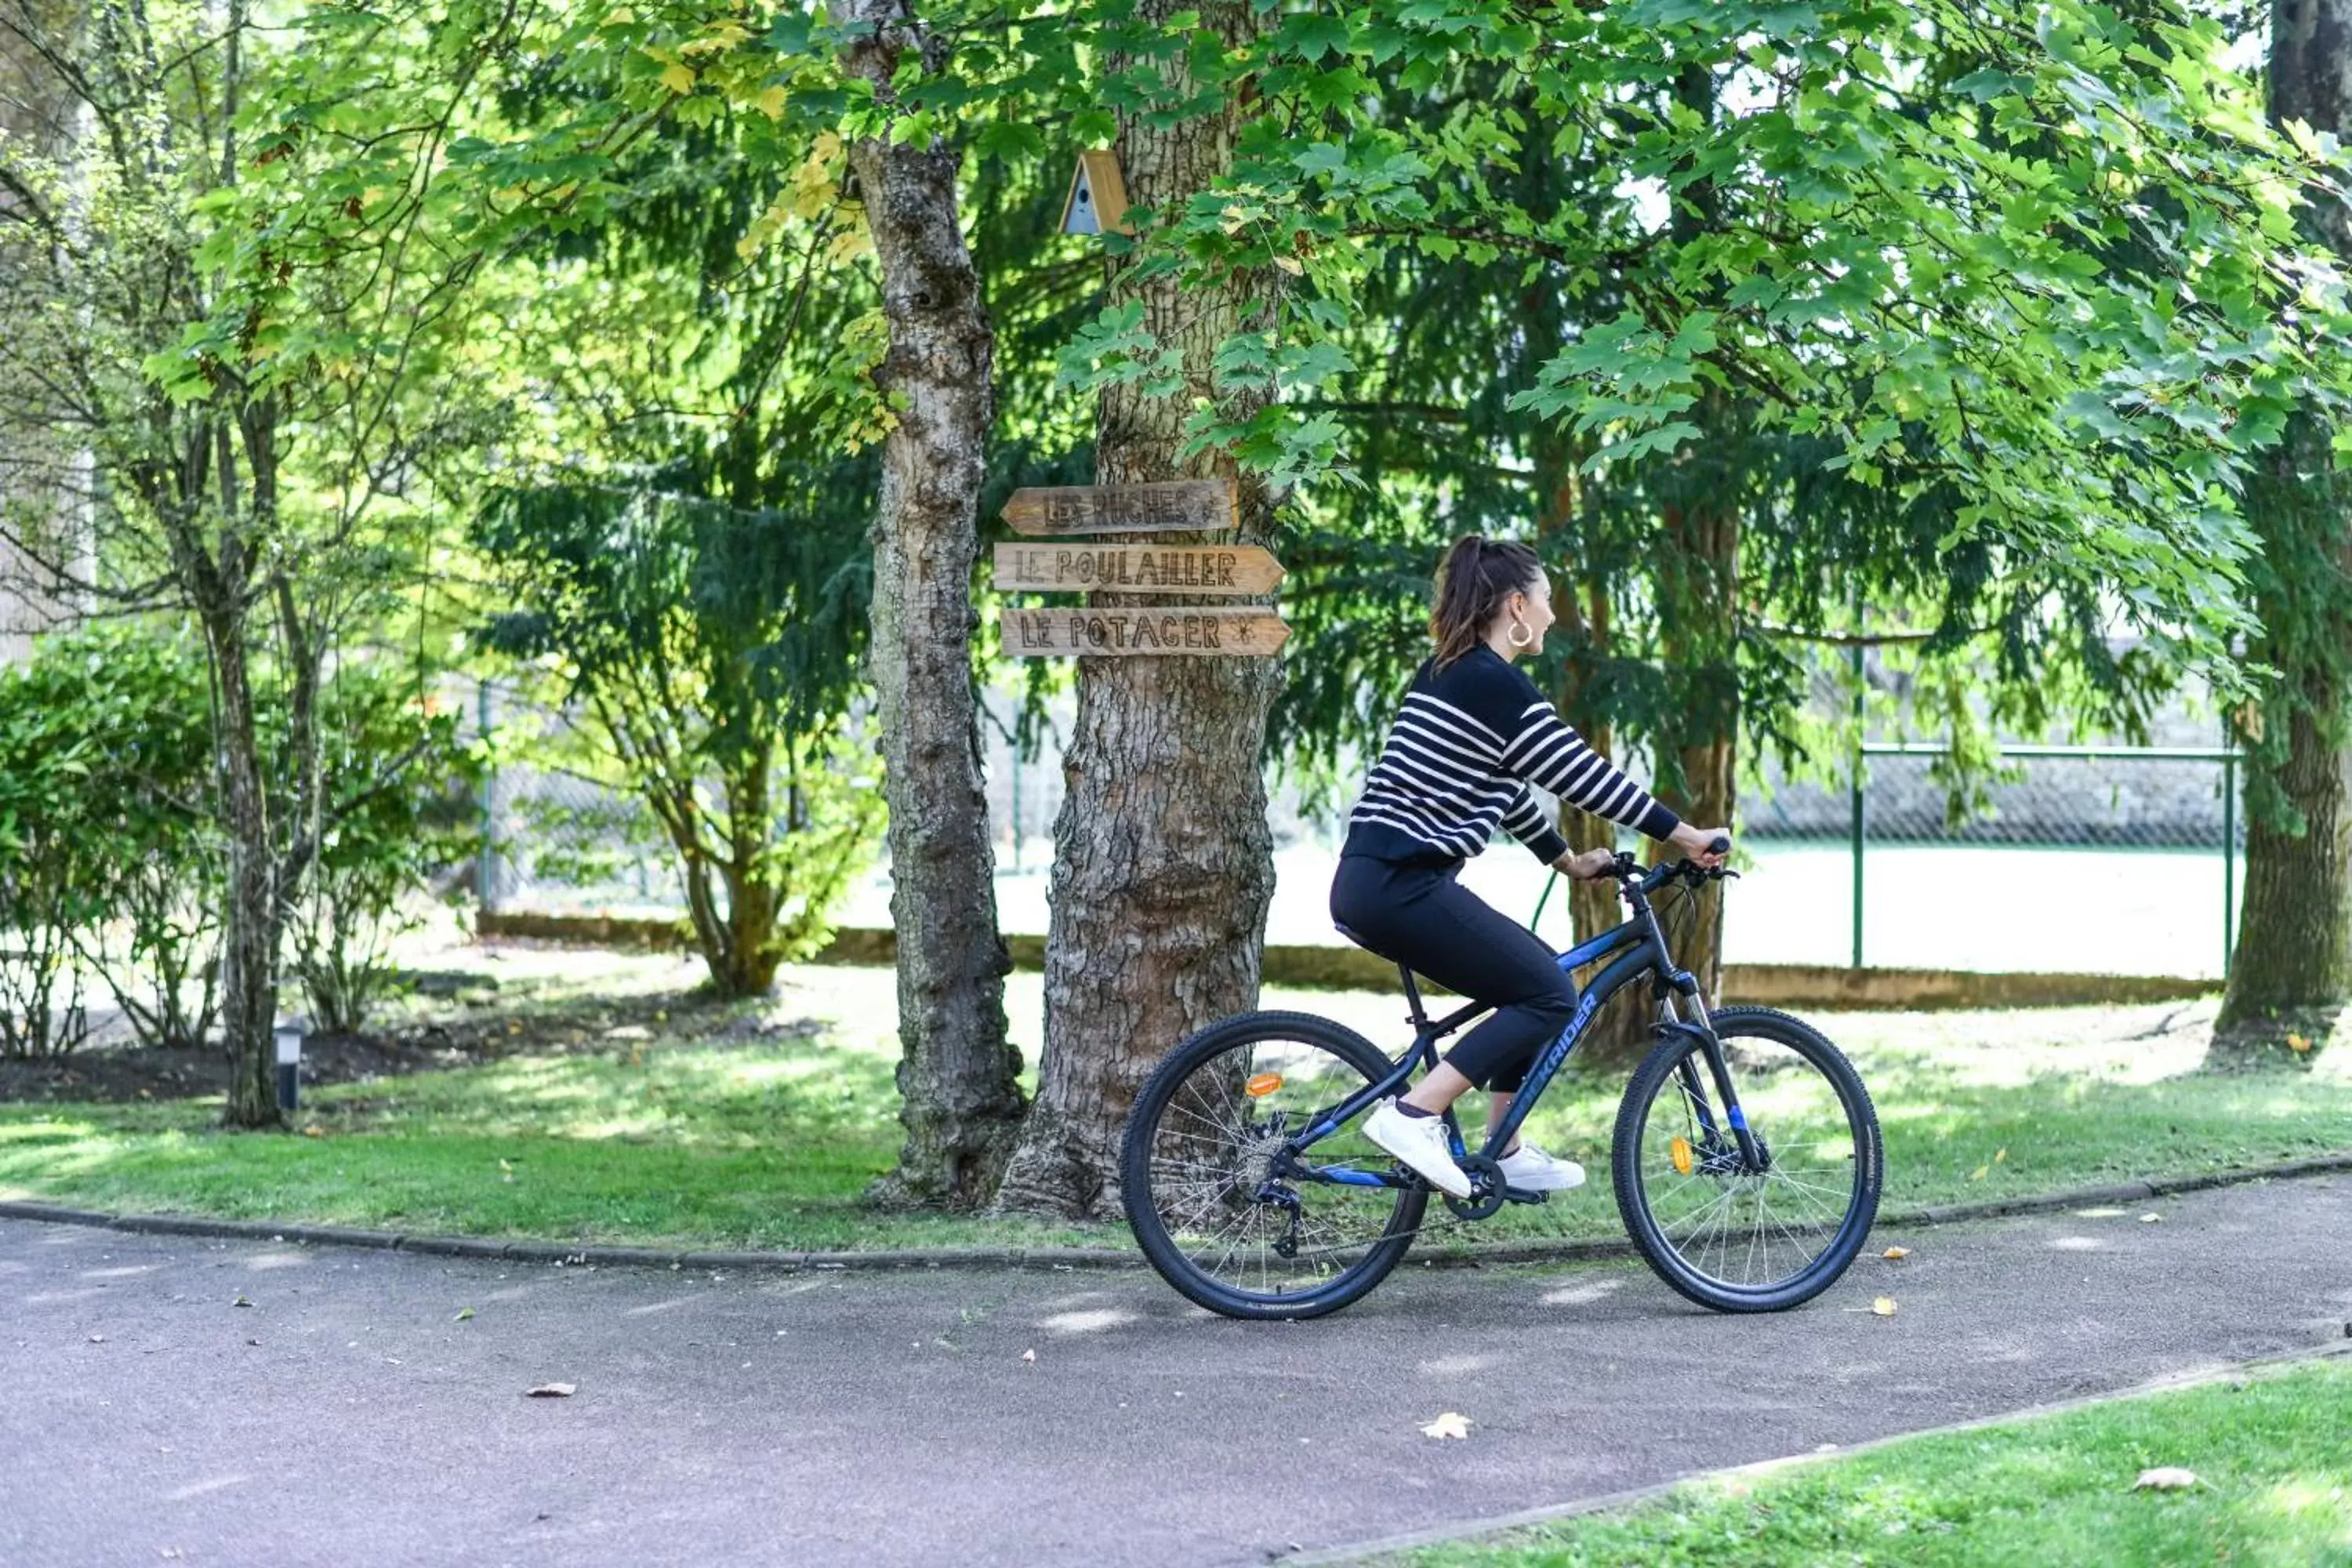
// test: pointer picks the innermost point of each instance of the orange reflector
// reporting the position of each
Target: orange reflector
(1264, 1083)
(1680, 1149)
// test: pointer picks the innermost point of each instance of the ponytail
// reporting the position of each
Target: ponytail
(1476, 575)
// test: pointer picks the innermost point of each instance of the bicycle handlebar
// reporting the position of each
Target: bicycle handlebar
(1629, 871)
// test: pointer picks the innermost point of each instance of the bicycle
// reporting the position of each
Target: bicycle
(1729, 1114)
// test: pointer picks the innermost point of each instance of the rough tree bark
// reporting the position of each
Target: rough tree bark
(1694, 573)
(2291, 976)
(1163, 864)
(1697, 573)
(1580, 597)
(961, 1100)
(253, 928)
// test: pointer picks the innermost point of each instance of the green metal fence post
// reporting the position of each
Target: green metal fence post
(2229, 862)
(1855, 809)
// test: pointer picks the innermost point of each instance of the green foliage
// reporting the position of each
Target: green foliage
(50, 861)
(711, 650)
(138, 691)
(110, 728)
(399, 796)
(2040, 281)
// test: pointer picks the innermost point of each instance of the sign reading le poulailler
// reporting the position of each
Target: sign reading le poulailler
(1075, 567)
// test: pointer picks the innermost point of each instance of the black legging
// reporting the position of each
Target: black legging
(1419, 916)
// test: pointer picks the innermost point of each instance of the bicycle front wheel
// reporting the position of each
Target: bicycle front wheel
(1217, 1204)
(1729, 1236)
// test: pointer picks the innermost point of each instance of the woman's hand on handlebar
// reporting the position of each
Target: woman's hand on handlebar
(1584, 868)
(1706, 847)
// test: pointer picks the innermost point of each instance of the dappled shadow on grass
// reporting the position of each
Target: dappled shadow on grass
(1955, 1133)
(771, 1141)
(760, 1144)
(792, 1095)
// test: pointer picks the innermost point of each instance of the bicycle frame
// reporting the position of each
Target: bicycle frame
(1637, 948)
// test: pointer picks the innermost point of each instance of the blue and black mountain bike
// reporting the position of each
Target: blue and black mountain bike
(1747, 1158)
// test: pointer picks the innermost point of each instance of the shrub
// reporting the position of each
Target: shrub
(398, 797)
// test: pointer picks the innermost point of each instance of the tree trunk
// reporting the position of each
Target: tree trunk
(255, 916)
(1163, 864)
(1697, 577)
(2291, 975)
(1584, 606)
(957, 1076)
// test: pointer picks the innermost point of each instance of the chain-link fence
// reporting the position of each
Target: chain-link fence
(2091, 859)
(560, 842)
(2144, 802)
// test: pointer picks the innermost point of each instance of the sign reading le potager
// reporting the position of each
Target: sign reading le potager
(1030, 634)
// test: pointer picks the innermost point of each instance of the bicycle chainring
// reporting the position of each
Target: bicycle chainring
(1486, 1189)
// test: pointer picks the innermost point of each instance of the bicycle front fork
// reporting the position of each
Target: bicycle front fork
(1753, 1156)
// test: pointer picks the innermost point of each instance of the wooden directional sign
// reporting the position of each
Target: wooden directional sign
(1136, 569)
(1185, 504)
(1044, 634)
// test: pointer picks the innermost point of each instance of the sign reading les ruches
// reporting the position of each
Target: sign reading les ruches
(1034, 634)
(1180, 506)
(1077, 568)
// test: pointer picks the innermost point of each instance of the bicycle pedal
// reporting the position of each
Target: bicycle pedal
(1521, 1196)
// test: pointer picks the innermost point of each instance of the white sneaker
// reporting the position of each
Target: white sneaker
(1420, 1143)
(1531, 1170)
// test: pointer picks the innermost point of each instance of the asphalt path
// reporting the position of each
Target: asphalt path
(178, 1399)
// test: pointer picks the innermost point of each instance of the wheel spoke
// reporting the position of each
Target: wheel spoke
(1731, 1233)
(1242, 1235)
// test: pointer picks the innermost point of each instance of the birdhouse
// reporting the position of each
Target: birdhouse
(1097, 199)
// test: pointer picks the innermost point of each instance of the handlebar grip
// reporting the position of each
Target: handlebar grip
(1721, 845)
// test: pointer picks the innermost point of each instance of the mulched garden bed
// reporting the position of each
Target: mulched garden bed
(447, 1020)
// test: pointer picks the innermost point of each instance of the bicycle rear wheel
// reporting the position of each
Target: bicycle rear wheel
(1730, 1238)
(1217, 1208)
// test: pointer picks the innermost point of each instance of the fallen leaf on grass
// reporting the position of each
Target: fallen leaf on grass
(1895, 1254)
(1883, 1306)
(1979, 1173)
(551, 1390)
(2165, 1478)
(1450, 1425)
(314, 1132)
(2297, 1043)
(1999, 1155)
(464, 1313)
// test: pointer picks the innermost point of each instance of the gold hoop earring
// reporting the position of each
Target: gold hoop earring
(1519, 635)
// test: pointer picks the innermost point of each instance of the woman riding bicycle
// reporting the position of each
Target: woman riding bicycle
(1473, 734)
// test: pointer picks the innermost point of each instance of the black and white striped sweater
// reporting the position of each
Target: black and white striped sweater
(1470, 739)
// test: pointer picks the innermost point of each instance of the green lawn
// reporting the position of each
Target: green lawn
(768, 1141)
(2271, 1454)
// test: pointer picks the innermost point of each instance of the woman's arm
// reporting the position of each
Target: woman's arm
(1524, 820)
(1544, 750)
